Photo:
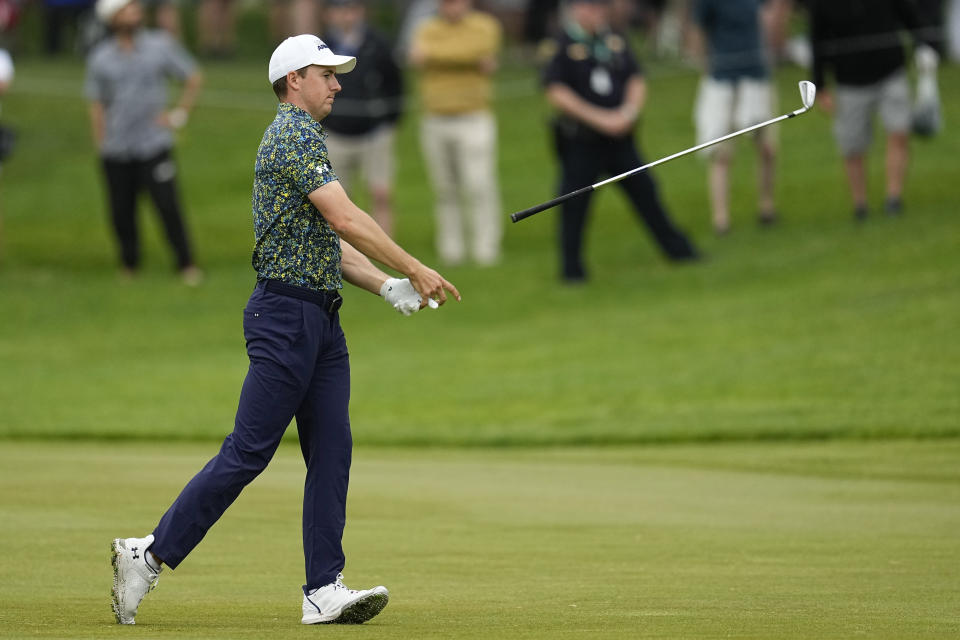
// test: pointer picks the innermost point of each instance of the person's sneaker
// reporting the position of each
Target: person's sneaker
(860, 213)
(191, 276)
(337, 604)
(132, 576)
(768, 218)
(893, 206)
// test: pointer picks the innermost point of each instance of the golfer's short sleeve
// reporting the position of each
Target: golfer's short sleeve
(307, 164)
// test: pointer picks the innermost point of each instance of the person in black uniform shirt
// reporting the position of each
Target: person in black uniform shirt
(361, 133)
(859, 43)
(597, 87)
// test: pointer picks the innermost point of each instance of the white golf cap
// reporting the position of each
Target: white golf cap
(106, 9)
(302, 51)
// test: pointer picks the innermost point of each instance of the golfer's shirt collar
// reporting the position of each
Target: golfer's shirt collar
(303, 118)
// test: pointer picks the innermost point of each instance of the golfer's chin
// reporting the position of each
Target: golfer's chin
(323, 111)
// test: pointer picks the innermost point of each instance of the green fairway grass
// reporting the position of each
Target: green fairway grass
(838, 540)
(817, 328)
(762, 445)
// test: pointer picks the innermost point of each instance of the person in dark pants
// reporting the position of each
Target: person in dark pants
(126, 85)
(309, 237)
(597, 88)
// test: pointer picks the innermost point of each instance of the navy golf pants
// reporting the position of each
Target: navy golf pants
(299, 367)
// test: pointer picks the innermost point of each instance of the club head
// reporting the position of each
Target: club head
(808, 93)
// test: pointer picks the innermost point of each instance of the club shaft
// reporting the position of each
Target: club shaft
(526, 213)
(704, 145)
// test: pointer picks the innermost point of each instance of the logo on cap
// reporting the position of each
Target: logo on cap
(321, 47)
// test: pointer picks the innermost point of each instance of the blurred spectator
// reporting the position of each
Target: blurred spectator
(416, 13)
(6, 135)
(541, 19)
(9, 16)
(510, 14)
(166, 15)
(60, 16)
(456, 52)
(216, 28)
(859, 43)
(6, 72)
(598, 90)
(362, 129)
(734, 94)
(292, 17)
(126, 85)
(953, 28)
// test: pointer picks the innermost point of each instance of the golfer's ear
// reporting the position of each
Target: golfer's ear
(293, 80)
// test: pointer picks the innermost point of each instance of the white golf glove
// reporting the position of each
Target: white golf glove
(401, 295)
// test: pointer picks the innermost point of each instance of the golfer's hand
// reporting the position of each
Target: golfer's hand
(431, 285)
(401, 295)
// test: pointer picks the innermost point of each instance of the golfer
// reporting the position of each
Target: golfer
(309, 237)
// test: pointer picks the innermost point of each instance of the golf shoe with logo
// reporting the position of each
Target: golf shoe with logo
(335, 603)
(132, 576)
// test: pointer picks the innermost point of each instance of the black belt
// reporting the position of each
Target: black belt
(330, 300)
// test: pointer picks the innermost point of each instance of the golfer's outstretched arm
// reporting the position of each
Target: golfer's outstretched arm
(359, 271)
(360, 230)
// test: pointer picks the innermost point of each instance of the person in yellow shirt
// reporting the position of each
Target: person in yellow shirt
(456, 52)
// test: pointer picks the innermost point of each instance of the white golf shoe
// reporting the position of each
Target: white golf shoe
(132, 576)
(338, 604)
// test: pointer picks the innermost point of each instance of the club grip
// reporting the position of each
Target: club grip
(526, 213)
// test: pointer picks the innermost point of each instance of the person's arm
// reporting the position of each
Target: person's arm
(180, 65)
(178, 115)
(360, 230)
(634, 100)
(700, 18)
(922, 27)
(774, 20)
(489, 63)
(818, 37)
(819, 34)
(697, 46)
(612, 122)
(97, 122)
(417, 53)
(359, 271)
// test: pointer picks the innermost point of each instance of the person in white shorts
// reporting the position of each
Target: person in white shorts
(735, 94)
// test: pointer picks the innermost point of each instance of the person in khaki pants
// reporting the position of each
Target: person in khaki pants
(456, 52)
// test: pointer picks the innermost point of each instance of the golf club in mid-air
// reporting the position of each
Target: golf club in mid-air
(808, 93)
